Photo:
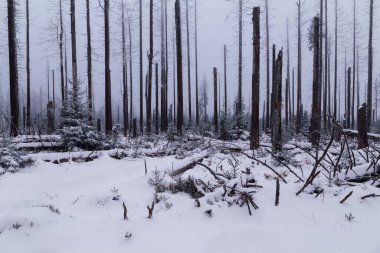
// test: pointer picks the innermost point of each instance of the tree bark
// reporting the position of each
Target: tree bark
(267, 125)
(348, 97)
(141, 72)
(108, 98)
(336, 62)
(370, 67)
(156, 114)
(362, 127)
(196, 65)
(216, 122)
(240, 68)
(316, 105)
(255, 119)
(179, 67)
(89, 61)
(188, 61)
(125, 72)
(277, 104)
(299, 71)
(28, 108)
(13, 72)
(150, 72)
(354, 72)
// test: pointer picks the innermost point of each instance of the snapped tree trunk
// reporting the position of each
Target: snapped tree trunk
(277, 104)
(255, 119)
(362, 127)
(314, 133)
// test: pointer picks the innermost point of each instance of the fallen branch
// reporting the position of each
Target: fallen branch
(187, 167)
(373, 195)
(284, 164)
(345, 198)
(308, 182)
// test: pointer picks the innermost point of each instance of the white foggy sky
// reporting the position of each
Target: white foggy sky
(217, 26)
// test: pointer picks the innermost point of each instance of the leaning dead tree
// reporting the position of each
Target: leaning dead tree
(314, 131)
(255, 119)
(13, 74)
(179, 67)
(277, 103)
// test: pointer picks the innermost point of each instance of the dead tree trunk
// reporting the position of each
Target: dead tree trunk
(336, 63)
(314, 134)
(163, 103)
(162, 94)
(61, 31)
(73, 46)
(179, 67)
(141, 72)
(108, 98)
(362, 127)
(277, 104)
(130, 74)
(225, 82)
(354, 73)
(370, 67)
(150, 72)
(196, 65)
(255, 119)
(188, 61)
(240, 68)
(28, 109)
(13, 73)
(267, 119)
(348, 98)
(216, 101)
(125, 72)
(287, 84)
(89, 61)
(299, 71)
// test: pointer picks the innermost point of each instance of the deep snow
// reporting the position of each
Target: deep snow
(89, 220)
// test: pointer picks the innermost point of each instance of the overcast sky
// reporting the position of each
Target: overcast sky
(217, 27)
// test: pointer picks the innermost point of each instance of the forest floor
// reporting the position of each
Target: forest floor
(78, 206)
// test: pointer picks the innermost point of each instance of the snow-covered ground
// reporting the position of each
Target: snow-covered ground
(73, 207)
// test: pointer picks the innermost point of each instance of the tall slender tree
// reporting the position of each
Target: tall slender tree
(61, 60)
(225, 82)
(89, 61)
(239, 109)
(108, 98)
(316, 104)
(267, 125)
(370, 67)
(28, 109)
(255, 119)
(216, 121)
(141, 69)
(73, 45)
(125, 71)
(354, 70)
(179, 66)
(188, 60)
(336, 61)
(299, 68)
(150, 72)
(130, 73)
(196, 64)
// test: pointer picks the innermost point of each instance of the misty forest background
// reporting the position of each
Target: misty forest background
(87, 70)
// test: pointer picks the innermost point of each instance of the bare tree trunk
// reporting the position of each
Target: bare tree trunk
(267, 125)
(130, 73)
(316, 105)
(163, 70)
(255, 119)
(61, 31)
(73, 45)
(28, 109)
(293, 98)
(299, 71)
(108, 98)
(370, 67)
(179, 67)
(225, 82)
(348, 97)
(240, 70)
(362, 127)
(277, 104)
(322, 87)
(125, 72)
(196, 65)
(150, 72)
(216, 101)
(89, 61)
(287, 84)
(174, 80)
(141, 72)
(354, 72)
(188, 61)
(162, 94)
(336, 61)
